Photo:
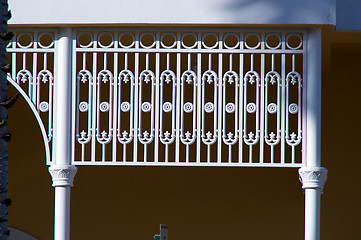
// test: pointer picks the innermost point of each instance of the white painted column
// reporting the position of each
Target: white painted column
(62, 171)
(312, 175)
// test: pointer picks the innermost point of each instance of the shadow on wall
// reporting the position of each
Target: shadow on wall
(280, 11)
(16, 234)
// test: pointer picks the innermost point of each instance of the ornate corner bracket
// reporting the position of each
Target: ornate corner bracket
(312, 177)
(63, 175)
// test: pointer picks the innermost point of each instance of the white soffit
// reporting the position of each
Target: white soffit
(47, 12)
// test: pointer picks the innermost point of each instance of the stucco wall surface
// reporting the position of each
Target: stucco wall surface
(173, 11)
(348, 15)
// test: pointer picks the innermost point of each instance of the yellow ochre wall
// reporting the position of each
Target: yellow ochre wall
(203, 203)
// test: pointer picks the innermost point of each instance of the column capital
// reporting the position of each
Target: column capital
(63, 175)
(312, 177)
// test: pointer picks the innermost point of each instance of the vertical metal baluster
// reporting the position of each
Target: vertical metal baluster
(215, 111)
(91, 99)
(237, 107)
(133, 112)
(230, 145)
(279, 110)
(156, 102)
(203, 117)
(153, 108)
(258, 85)
(178, 98)
(174, 102)
(140, 110)
(37, 80)
(161, 102)
(250, 146)
(304, 96)
(136, 99)
(300, 106)
(94, 106)
(51, 109)
(98, 105)
(13, 58)
(220, 104)
(240, 106)
(182, 83)
(196, 101)
(283, 103)
(263, 108)
(293, 145)
(265, 114)
(114, 109)
(202, 110)
(75, 101)
(199, 100)
(287, 86)
(194, 84)
(119, 103)
(35, 72)
(110, 112)
(245, 109)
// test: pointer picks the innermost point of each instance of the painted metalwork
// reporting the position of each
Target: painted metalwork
(174, 97)
(32, 60)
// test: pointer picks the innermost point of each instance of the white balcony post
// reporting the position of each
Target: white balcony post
(312, 175)
(62, 171)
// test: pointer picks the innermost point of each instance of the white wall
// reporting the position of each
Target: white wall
(173, 11)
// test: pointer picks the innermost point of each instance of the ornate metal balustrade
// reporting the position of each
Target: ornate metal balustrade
(190, 97)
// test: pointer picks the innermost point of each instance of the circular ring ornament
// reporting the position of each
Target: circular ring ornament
(46, 34)
(143, 37)
(166, 36)
(105, 34)
(209, 35)
(229, 36)
(83, 107)
(251, 35)
(44, 107)
(294, 35)
(90, 41)
(186, 35)
(188, 107)
(24, 35)
(146, 107)
(272, 108)
(208, 107)
(278, 38)
(251, 108)
(167, 107)
(125, 107)
(104, 107)
(230, 108)
(125, 34)
(293, 108)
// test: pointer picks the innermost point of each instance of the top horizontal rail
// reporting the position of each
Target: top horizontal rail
(245, 51)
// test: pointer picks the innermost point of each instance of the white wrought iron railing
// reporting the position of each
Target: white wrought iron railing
(174, 97)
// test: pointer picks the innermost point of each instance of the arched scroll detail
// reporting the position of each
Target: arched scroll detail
(37, 116)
